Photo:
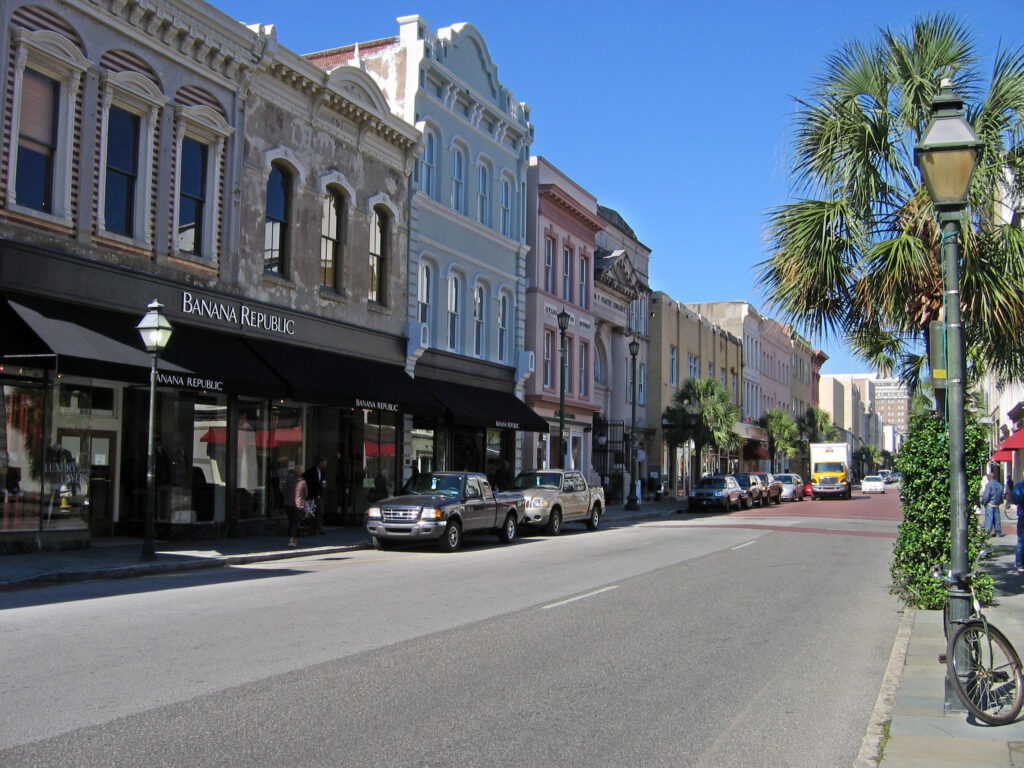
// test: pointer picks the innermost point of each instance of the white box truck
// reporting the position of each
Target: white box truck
(830, 470)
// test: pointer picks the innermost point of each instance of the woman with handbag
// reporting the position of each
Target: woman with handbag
(295, 502)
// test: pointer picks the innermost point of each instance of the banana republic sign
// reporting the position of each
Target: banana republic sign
(240, 315)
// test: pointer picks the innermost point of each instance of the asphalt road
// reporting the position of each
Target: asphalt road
(741, 640)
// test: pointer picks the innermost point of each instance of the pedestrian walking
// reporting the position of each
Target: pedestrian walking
(990, 500)
(295, 503)
(1017, 497)
(316, 484)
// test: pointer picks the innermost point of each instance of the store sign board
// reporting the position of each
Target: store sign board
(239, 315)
(182, 381)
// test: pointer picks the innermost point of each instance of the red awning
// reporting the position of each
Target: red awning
(1002, 455)
(1014, 441)
(378, 449)
(274, 438)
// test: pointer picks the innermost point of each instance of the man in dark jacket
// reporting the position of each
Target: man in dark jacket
(990, 500)
(316, 482)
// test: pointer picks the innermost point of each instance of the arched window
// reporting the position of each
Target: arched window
(503, 328)
(506, 208)
(275, 235)
(380, 226)
(453, 313)
(332, 238)
(483, 195)
(428, 164)
(459, 180)
(600, 364)
(479, 329)
(424, 293)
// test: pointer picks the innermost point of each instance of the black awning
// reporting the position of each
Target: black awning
(69, 338)
(478, 407)
(318, 376)
(221, 359)
(98, 343)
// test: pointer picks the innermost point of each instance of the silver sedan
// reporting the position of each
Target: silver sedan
(792, 487)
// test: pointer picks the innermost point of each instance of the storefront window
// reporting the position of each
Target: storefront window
(380, 441)
(189, 458)
(282, 442)
(21, 457)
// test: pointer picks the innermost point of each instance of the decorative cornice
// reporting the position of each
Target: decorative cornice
(559, 198)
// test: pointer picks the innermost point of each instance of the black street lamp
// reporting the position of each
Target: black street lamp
(947, 155)
(563, 325)
(633, 502)
(155, 330)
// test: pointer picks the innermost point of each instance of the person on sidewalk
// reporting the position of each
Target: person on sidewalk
(1017, 497)
(295, 503)
(316, 483)
(991, 499)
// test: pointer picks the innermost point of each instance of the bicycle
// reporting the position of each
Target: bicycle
(1011, 511)
(980, 661)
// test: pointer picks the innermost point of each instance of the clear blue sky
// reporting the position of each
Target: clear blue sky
(677, 115)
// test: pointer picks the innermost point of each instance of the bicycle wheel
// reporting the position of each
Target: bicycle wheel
(1011, 511)
(989, 683)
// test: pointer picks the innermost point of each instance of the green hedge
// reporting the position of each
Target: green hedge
(924, 534)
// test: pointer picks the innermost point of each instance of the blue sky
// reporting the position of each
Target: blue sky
(677, 115)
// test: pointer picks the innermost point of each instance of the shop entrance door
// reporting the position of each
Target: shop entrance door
(86, 480)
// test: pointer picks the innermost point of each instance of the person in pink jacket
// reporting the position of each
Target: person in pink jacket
(295, 503)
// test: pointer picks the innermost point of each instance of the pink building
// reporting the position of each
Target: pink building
(561, 224)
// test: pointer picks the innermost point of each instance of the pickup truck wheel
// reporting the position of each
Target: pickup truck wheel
(595, 518)
(554, 526)
(507, 532)
(778, 499)
(383, 544)
(745, 503)
(452, 538)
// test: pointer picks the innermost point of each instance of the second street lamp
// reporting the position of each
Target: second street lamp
(155, 330)
(563, 325)
(947, 155)
(633, 502)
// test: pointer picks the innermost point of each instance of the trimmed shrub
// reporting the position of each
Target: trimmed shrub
(924, 535)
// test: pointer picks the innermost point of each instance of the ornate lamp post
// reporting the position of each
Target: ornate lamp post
(947, 155)
(633, 502)
(563, 325)
(155, 330)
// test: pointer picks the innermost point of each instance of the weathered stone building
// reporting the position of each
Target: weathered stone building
(168, 152)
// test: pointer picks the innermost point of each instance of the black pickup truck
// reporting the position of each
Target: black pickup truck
(443, 506)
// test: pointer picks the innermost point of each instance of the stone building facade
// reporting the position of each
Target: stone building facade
(168, 152)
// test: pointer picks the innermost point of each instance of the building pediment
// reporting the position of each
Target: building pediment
(615, 271)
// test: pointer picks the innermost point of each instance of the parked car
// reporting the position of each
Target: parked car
(773, 488)
(792, 487)
(885, 474)
(808, 488)
(442, 506)
(556, 496)
(720, 491)
(896, 477)
(872, 484)
(753, 491)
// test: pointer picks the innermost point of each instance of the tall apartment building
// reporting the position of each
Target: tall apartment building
(892, 404)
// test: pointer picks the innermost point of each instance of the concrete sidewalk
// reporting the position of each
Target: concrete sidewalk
(120, 558)
(920, 732)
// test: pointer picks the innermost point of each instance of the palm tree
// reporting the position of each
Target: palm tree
(813, 424)
(702, 411)
(857, 255)
(781, 429)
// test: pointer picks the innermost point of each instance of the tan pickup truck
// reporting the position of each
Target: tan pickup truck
(556, 496)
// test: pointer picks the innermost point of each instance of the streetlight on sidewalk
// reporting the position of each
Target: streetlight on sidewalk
(155, 330)
(563, 326)
(633, 502)
(947, 155)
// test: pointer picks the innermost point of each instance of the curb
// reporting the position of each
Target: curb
(872, 745)
(148, 569)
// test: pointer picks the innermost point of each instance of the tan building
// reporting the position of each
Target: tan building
(685, 344)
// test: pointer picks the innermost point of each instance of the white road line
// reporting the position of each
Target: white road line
(578, 597)
(741, 546)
